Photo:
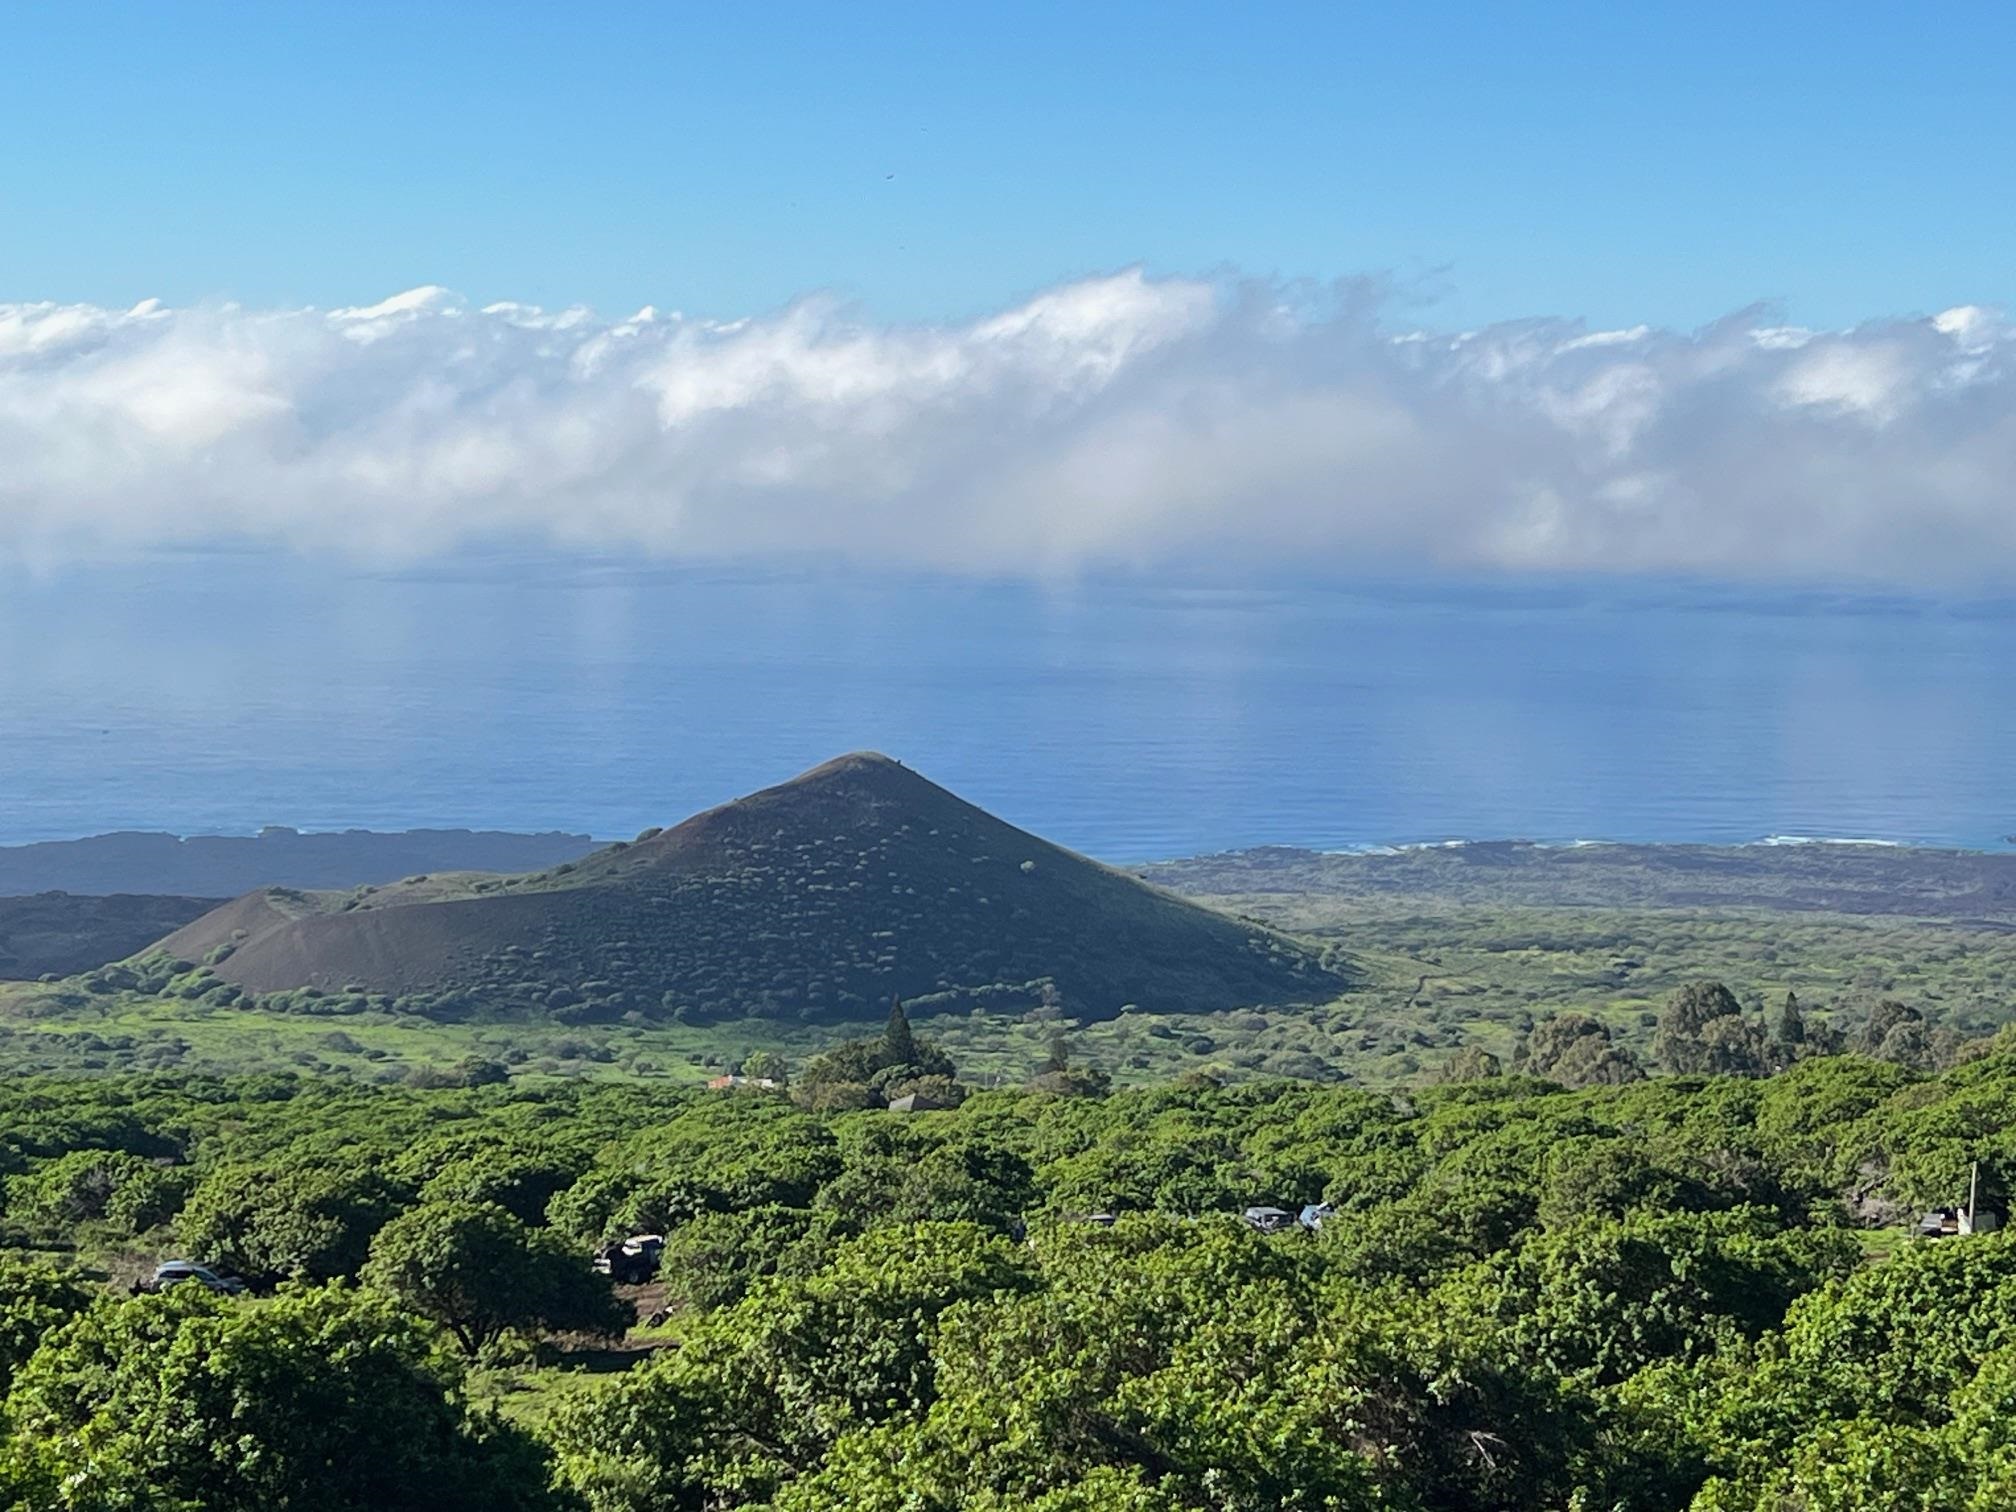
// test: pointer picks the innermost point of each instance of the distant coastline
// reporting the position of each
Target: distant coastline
(1803, 875)
(222, 866)
(1771, 842)
(155, 863)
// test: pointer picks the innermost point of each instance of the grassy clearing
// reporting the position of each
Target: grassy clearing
(527, 1394)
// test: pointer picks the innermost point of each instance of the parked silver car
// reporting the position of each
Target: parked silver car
(174, 1272)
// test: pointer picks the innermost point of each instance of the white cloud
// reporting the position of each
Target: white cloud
(1113, 421)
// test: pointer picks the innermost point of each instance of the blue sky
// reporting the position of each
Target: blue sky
(1660, 163)
(1711, 291)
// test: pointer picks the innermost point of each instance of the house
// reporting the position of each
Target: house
(730, 1083)
(1969, 1219)
(918, 1102)
(1313, 1216)
(1942, 1222)
(1267, 1220)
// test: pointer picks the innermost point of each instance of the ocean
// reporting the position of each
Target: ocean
(1128, 719)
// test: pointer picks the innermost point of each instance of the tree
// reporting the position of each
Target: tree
(1704, 1033)
(523, 1183)
(1074, 1081)
(1789, 1029)
(759, 1391)
(866, 1072)
(477, 1270)
(819, 1094)
(1057, 1075)
(93, 1186)
(899, 1044)
(717, 1155)
(934, 1091)
(1898, 1033)
(1607, 1297)
(34, 1298)
(1576, 1051)
(303, 1219)
(966, 1181)
(1890, 1387)
(1736, 1046)
(1605, 1178)
(324, 1400)
(1471, 1063)
(712, 1261)
(1164, 1365)
(479, 1071)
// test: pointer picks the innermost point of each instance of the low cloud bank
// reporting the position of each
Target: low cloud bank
(1120, 421)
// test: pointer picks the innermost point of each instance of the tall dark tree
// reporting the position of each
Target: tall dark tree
(1058, 1058)
(1789, 1030)
(899, 1044)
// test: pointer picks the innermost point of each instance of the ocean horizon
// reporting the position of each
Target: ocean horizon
(217, 694)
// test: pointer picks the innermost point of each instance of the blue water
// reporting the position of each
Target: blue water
(214, 695)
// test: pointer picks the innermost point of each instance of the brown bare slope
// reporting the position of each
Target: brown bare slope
(816, 899)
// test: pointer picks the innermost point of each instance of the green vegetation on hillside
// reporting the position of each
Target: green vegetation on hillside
(1432, 986)
(1466, 946)
(1656, 1295)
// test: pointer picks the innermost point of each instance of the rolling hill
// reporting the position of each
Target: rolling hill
(816, 900)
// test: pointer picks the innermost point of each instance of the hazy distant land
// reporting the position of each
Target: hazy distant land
(1848, 876)
(1852, 877)
(223, 866)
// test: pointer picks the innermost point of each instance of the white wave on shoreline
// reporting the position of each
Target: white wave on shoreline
(1775, 841)
(1843, 840)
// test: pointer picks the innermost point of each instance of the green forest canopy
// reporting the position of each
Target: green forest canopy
(1652, 1294)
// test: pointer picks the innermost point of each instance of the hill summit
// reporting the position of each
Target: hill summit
(817, 899)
